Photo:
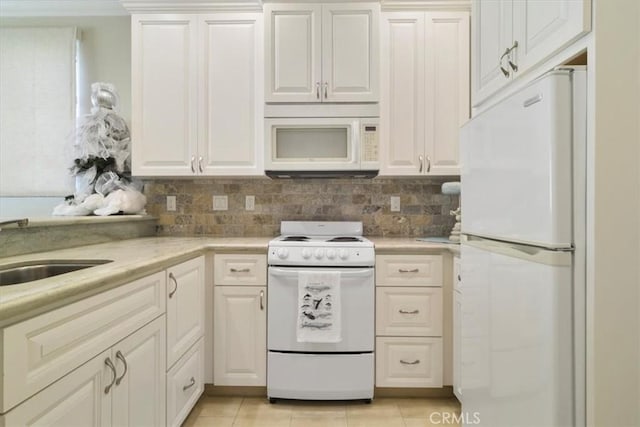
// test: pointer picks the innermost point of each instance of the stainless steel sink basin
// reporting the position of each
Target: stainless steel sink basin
(35, 270)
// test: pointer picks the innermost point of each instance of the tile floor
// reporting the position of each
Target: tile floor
(383, 412)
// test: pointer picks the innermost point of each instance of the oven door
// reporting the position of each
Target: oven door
(358, 311)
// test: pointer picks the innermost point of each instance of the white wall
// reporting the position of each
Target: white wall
(614, 276)
(106, 54)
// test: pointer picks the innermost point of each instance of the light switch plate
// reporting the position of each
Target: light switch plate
(250, 203)
(171, 203)
(395, 203)
(220, 203)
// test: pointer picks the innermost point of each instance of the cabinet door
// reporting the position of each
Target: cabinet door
(350, 52)
(240, 335)
(77, 400)
(402, 98)
(164, 95)
(293, 64)
(185, 307)
(231, 93)
(492, 35)
(543, 27)
(139, 390)
(447, 89)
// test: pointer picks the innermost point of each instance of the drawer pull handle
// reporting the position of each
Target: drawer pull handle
(109, 363)
(192, 382)
(409, 312)
(404, 362)
(242, 270)
(403, 270)
(120, 356)
(172, 277)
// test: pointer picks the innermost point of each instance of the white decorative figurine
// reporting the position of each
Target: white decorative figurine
(453, 188)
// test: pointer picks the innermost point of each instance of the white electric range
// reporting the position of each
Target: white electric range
(338, 370)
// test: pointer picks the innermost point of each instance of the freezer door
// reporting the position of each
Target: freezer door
(517, 166)
(516, 337)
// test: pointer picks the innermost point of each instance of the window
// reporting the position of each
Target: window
(37, 110)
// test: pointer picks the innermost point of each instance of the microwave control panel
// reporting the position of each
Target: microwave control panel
(369, 143)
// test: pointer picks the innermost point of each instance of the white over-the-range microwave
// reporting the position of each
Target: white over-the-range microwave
(321, 147)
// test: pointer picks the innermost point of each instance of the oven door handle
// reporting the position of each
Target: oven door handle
(291, 272)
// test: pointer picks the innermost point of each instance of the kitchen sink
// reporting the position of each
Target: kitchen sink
(41, 269)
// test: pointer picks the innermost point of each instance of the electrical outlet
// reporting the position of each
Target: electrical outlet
(220, 203)
(250, 203)
(395, 203)
(171, 203)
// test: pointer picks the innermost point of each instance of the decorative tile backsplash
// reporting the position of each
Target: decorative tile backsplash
(424, 211)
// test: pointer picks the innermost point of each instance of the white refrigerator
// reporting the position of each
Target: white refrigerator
(523, 257)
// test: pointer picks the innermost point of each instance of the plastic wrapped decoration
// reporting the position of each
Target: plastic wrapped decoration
(102, 162)
(102, 138)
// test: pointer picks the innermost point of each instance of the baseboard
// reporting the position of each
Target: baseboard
(443, 392)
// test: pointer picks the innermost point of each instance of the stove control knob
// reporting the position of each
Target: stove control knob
(319, 253)
(343, 254)
(306, 253)
(331, 253)
(282, 253)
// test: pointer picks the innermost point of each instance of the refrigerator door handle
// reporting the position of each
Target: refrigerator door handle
(525, 252)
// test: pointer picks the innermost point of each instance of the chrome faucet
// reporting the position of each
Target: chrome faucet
(23, 222)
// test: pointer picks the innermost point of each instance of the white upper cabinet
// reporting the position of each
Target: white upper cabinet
(425, 91)
(164, 95)
(197, 94)
(512, 36)
(231, 100)
(322, 52)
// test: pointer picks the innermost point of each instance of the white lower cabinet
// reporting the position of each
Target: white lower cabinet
(240, 336)
(409, 320)
(185, 338)
(185, 384)
(240, 320)
(185, 307)
(122, 386)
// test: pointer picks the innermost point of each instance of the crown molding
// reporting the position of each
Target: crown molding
(451, 5)
(25, 8)
(190, 6)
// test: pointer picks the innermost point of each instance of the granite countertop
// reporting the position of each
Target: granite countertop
(132, 259)
(136, 258)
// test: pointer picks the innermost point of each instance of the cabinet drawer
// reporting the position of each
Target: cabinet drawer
(40, 350)
(409, 270)
(408, 362)
(185, 384)
(240, 269)
(409, 311)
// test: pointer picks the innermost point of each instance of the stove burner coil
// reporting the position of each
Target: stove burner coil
(345, 239)
(295, 239)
